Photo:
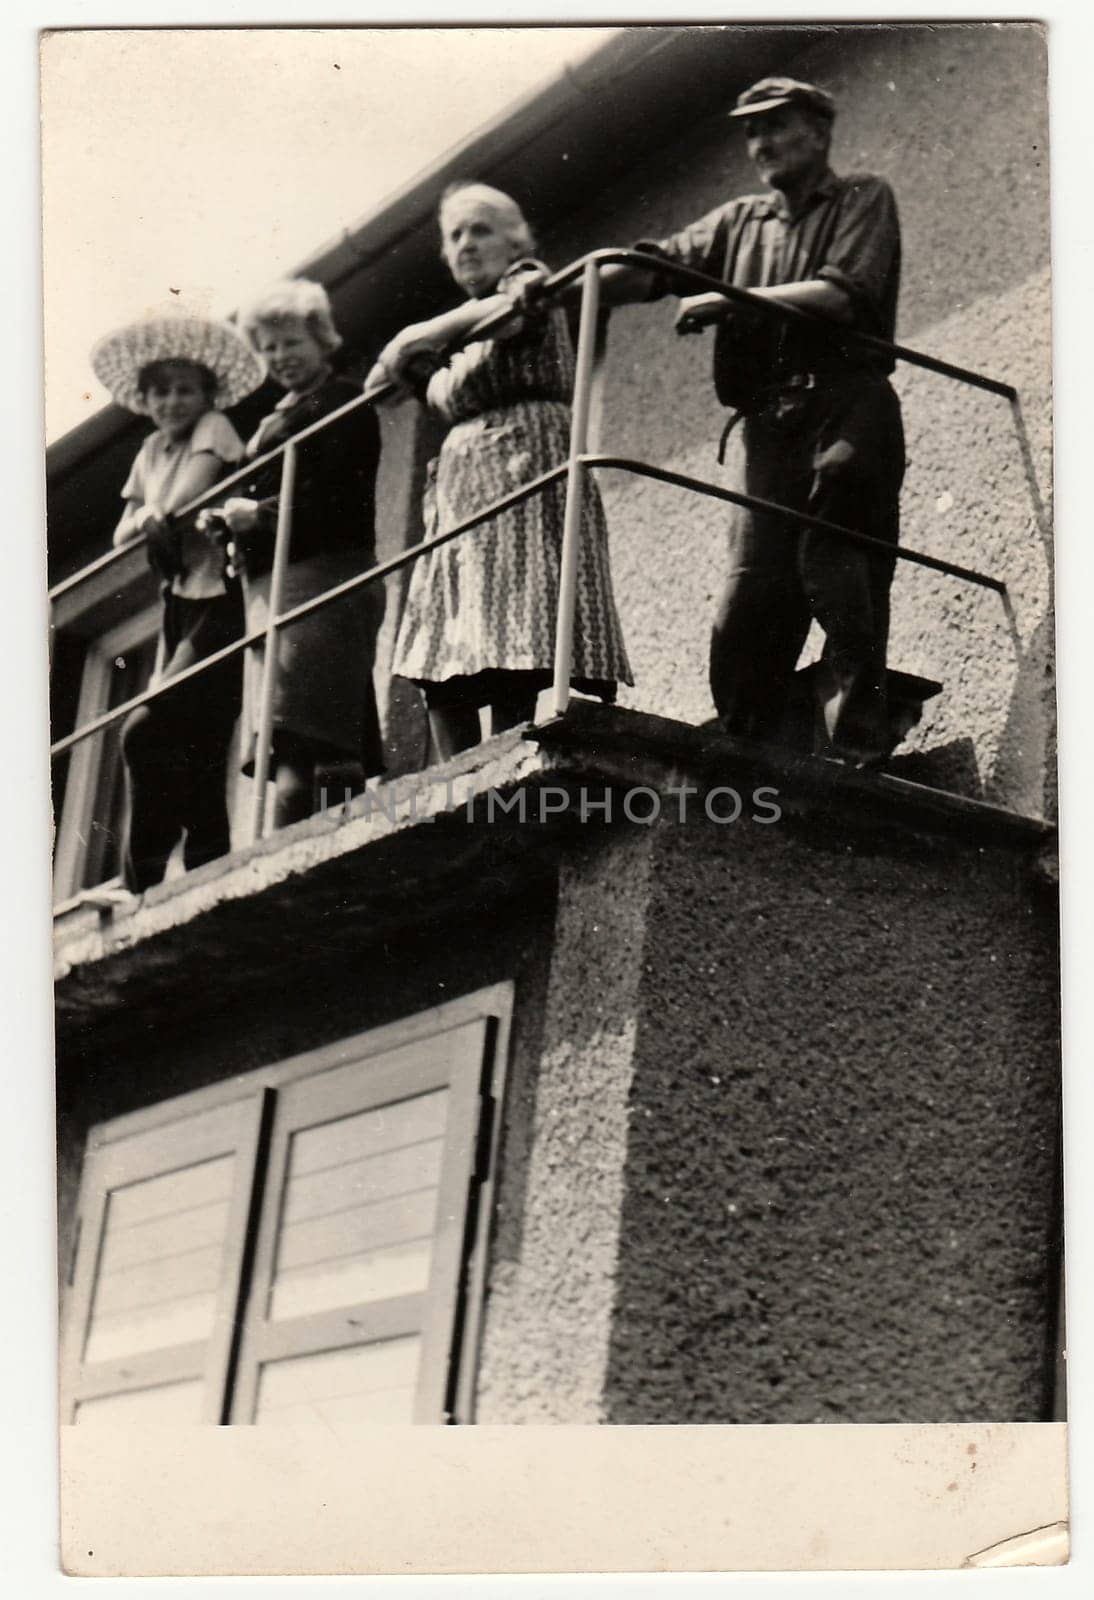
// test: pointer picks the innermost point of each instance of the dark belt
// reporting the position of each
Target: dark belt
(797, 383)
(791, 386)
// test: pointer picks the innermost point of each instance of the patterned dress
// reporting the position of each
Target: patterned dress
(488, 600)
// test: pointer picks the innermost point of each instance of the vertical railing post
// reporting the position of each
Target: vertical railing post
(264, 728)
(575, 486)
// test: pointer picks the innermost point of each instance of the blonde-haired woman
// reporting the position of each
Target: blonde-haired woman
(325, 706)
(478, 627)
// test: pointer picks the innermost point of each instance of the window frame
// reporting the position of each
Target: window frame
(257, 1107)
(82, 787)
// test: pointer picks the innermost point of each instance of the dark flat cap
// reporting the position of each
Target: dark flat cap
(770, 93)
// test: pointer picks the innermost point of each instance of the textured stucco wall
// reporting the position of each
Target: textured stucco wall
(549, 1315)
(841, 1151)
(779, 1132)
(977, 492)
(955, 118)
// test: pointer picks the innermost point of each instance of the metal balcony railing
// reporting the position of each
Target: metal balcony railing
(587, 269)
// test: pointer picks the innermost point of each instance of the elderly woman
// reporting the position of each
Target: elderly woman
(478, 628)
(325, 706)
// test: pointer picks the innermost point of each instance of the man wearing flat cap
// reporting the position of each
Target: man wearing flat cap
(821, 425)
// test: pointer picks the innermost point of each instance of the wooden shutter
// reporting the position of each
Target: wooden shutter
(155, 1296)
(307, 1241)
(363, 1243)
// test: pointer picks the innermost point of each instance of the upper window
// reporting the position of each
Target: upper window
(116, 665)
(303, 1244)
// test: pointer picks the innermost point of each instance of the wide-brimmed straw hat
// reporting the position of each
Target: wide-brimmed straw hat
(119, 358)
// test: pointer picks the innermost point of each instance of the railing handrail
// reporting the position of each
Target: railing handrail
(579, 461)
(645, 261)
(215, 492)
(306, 608)
(383, 569)
(249, 468)
(562, 279)
(902, 552)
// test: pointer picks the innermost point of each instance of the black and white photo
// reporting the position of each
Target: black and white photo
(556, 888)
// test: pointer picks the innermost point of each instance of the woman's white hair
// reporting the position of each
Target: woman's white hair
(292, 300)
(510, 216)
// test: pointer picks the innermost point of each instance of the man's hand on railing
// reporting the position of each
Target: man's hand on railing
(699, 311)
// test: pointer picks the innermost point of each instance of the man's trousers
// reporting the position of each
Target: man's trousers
(836, 452)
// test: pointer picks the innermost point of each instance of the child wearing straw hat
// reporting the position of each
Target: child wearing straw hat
(179, 370)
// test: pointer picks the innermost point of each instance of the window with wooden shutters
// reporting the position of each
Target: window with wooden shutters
(302, 1244)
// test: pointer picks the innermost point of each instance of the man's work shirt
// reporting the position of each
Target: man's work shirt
(847, 233)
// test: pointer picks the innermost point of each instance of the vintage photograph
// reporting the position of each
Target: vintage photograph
(554, 726)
